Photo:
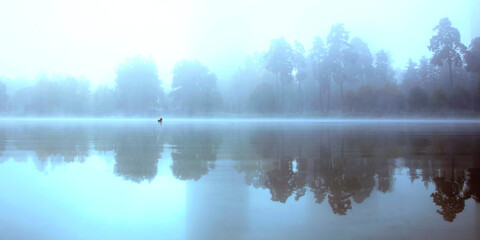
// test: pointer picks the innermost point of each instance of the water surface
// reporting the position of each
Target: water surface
(239, 180)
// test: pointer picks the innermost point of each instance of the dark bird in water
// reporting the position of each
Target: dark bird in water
(160, 120)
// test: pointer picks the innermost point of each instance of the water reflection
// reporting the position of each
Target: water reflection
(193, 152)
(137, 151)
(3, 140)
(50, 142)
(333, 166)
(339, 164)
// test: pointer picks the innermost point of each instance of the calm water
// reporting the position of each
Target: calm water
(239, 180)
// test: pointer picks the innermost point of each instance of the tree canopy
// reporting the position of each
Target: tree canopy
(138, 86)
(194, 88)
(3, 96)
(446, 46)
(280, 59)
(472, 56)
(340, 56)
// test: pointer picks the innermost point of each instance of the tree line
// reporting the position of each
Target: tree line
(339, 76)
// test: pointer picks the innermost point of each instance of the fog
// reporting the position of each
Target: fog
(221, 59)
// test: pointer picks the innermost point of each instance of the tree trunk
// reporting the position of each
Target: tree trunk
(277, 99)
(328, 95)
(474, 89)
(300, 96)
(452, 171)
(450, 73)
(476, 93)
(341, 95)
(282, 97)
(320, 97)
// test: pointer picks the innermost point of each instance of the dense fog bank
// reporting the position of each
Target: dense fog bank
(337, 77)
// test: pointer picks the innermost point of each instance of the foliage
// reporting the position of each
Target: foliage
(299, 62)
(280, 58)
(446, 46)
(411, 76)
(340, 56)
(363, 100)
(300, 70)
(320, 73)
(194, 88)
(439, 99)
(417, 99)
(280, 61)
(339, 52)
(383, 68)
(472, 59)
(138, 86)
(75, 95)
(391, 98)
(262, 98)
(317, 56)
(362, 69)
(60, 96)
(381, 100)
(472, 56)
(460, 98)
(427, 73)
(104, 101)
(246, 79)
(3, 97)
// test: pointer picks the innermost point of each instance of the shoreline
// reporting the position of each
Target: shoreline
(252, 120)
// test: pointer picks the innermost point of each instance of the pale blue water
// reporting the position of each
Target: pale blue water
(239, 179)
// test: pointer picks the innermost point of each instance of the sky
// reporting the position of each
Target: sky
(89, 38)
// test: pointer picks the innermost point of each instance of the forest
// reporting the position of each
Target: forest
(338, 77)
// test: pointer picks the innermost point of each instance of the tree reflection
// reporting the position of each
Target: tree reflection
(300, 176)
(473, 184)
(137, 154)
(279, 170)
(341, 166)
(450, 171)
(54, 143)
(345, 168)
(280, 181)
(450, 192)
(317, 185)
(3, 140)
(193, 153)
(291, 163)
(341, 189)
(449, 198)
(136, 148)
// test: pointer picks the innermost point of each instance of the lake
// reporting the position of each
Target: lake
(138, 179)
